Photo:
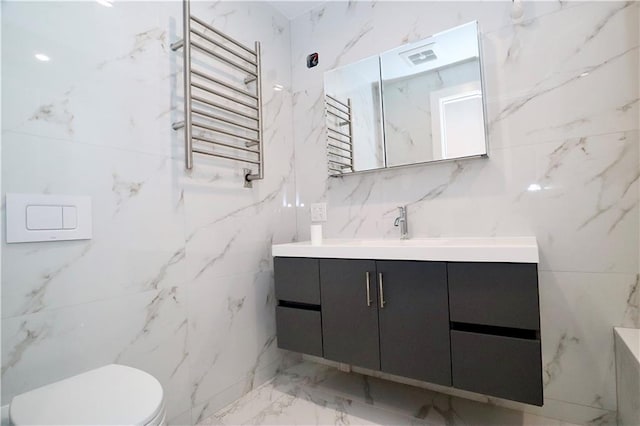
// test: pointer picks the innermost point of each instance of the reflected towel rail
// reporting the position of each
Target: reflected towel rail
(332, 169)
(342, 156)
(346, 151)
(338, 147)
(330, 112)
(339, 140)
(241, 58)
(339, 101)
(340, 133)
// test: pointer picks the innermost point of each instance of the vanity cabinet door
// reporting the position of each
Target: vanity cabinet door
(349, 318)
(495, 294)
(299, 330)
(506, 367)
(297, 279)
(414, 320)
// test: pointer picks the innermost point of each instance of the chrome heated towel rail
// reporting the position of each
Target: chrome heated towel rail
(218, 113)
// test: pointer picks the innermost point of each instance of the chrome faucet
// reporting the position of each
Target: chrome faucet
(401, 221)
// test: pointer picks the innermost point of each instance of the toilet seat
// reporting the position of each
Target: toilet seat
(110, 395)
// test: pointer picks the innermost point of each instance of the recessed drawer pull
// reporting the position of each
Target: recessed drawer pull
(382, 302)
(369, 289)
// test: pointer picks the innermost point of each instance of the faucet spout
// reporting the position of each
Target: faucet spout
(402, 222)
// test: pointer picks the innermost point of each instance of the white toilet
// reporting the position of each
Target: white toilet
(109, 395)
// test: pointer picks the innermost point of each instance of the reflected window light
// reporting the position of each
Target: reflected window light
(534, 187)
(289, 205)
(301, 204)
(584, 74)
(105, 3)
(42, 57)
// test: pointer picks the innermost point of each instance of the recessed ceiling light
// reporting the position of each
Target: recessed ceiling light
(534, 187)
(42, 57)
(105, 3)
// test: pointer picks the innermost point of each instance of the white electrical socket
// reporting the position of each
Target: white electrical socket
(319, 212)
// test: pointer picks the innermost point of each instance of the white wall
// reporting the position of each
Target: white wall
(177, 280)
(562, 87)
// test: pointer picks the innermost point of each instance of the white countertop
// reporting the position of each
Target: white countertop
(499, 249)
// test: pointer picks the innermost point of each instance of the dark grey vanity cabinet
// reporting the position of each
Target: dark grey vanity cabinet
(414, 321)
(297, 280)
(387, 315)
(503, 366)
(494, 294)
(350, 312)
(495, 330)
(298, 319)
(473, 326)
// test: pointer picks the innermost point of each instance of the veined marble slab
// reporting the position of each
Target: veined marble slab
(512, 249)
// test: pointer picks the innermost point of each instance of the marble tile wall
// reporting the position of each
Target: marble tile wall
(177, 279)
(562, 99)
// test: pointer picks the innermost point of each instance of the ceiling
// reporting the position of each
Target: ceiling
(294, 8)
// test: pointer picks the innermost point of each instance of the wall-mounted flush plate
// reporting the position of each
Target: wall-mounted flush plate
(319, 212)
(38, 217)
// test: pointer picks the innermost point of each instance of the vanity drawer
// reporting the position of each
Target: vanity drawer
(299, 330)
(297, 279)
(506, 367)
(496, 294)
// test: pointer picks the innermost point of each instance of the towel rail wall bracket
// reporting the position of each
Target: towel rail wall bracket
(236, 55)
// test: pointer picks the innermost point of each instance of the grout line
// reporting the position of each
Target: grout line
(85, 143)
(74, 305)
(560, 139)
(241, 381)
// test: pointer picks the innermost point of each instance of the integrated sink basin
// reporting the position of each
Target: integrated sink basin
(499, 249)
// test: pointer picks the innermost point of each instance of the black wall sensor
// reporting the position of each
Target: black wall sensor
(312, 60)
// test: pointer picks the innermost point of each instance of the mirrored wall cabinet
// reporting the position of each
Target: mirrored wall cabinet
(421, 102)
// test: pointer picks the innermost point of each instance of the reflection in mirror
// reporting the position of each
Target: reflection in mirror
(417, 103)
(353, 114)
(432, 98)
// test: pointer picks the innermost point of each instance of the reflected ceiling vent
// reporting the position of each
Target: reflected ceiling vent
(419, 55)
(422, 57)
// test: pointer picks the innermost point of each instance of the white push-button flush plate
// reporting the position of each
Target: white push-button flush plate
(38, 217)
(42, 218)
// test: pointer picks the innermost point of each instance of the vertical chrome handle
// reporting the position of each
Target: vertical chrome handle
(368, 289)
(382, 302)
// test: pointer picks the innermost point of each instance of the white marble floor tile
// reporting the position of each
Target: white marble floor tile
(314, 394)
